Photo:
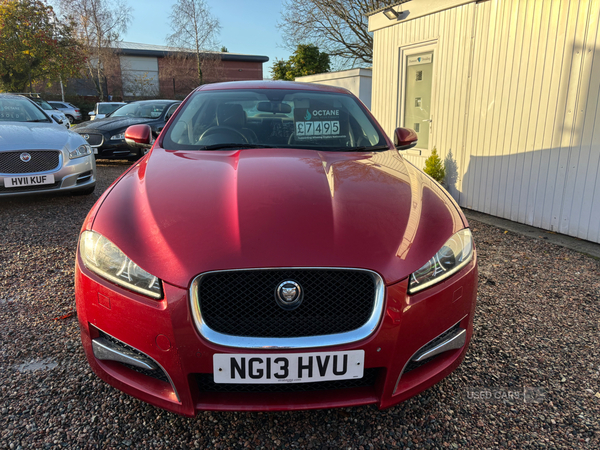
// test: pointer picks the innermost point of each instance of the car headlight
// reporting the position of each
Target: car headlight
(118, 137)
(105, 259)
(82, 150)
(453, 256)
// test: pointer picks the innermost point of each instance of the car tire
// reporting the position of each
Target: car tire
(71, 119)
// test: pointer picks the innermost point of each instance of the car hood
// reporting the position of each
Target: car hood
(109, 124)
(34, 136)
(178, 214)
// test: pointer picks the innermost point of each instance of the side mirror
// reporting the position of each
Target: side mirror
(139, 136)
(405, 138)
(57, 119)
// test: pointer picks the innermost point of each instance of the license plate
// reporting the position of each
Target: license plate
(30, 180)
(288, 367)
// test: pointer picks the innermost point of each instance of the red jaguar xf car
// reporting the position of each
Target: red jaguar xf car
(274, 251)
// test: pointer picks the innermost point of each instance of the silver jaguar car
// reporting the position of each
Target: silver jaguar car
(37, 155)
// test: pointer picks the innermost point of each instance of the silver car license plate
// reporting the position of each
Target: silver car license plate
(274, 368)
(30, 180)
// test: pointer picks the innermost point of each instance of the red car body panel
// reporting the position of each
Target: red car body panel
(178, 214)
(184, 213)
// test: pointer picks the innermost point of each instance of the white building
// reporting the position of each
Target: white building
(508, 91)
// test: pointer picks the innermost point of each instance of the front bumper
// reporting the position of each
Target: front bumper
(110, 149)
(115, 150)
(74, 175)
(162, 333)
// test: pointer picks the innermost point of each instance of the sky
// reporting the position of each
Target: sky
(247, 26)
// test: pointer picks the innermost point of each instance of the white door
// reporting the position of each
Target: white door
(417, 84)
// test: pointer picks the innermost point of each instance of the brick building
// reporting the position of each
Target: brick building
(144, 70)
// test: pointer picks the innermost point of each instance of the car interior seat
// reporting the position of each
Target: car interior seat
(232, 115)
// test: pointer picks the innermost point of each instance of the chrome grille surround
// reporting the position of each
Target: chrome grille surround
(228, 340)
(42, 161)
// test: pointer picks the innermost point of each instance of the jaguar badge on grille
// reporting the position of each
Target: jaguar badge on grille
(288, 294)
(25, 157)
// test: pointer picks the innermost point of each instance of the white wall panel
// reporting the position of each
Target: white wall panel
(517, 106)
(140, 75)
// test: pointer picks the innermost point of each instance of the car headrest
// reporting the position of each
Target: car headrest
(231, 115)
(145, 111)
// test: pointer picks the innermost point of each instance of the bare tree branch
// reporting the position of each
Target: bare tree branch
(337, 27)
(194, 28)
(99, 27)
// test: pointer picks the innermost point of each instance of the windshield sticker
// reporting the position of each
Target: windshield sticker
(319, 124)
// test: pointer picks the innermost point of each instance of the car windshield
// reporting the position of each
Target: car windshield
(108, 108)
(44, 104)
(20, 110)
(240, 118)
(145, 110)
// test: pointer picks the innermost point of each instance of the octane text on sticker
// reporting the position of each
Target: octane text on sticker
(31, 180)
(288, 368)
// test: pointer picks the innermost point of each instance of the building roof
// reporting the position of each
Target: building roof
(138, 49)
(378, 10)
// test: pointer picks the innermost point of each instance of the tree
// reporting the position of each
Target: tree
(194, 28)
(179, 73)
(99, 27)
(35, 45)
(339, 27)
(306, 60)
(434, 167)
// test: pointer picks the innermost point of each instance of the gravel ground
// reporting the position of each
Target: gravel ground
(536, 333)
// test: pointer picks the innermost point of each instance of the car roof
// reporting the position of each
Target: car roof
(266, 84)
(12, 95)
(156, 101)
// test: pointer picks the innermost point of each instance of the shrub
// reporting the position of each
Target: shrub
(434, 167)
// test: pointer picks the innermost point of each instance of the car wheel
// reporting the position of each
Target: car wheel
(71, 119)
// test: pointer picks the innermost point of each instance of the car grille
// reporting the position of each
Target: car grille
(242, 303)
(206, 384)
(41, 161)
(95, 140)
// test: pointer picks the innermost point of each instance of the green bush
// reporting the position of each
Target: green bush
(434, 167)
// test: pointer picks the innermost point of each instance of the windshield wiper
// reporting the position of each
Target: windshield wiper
(232, 145)
(37, 120)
